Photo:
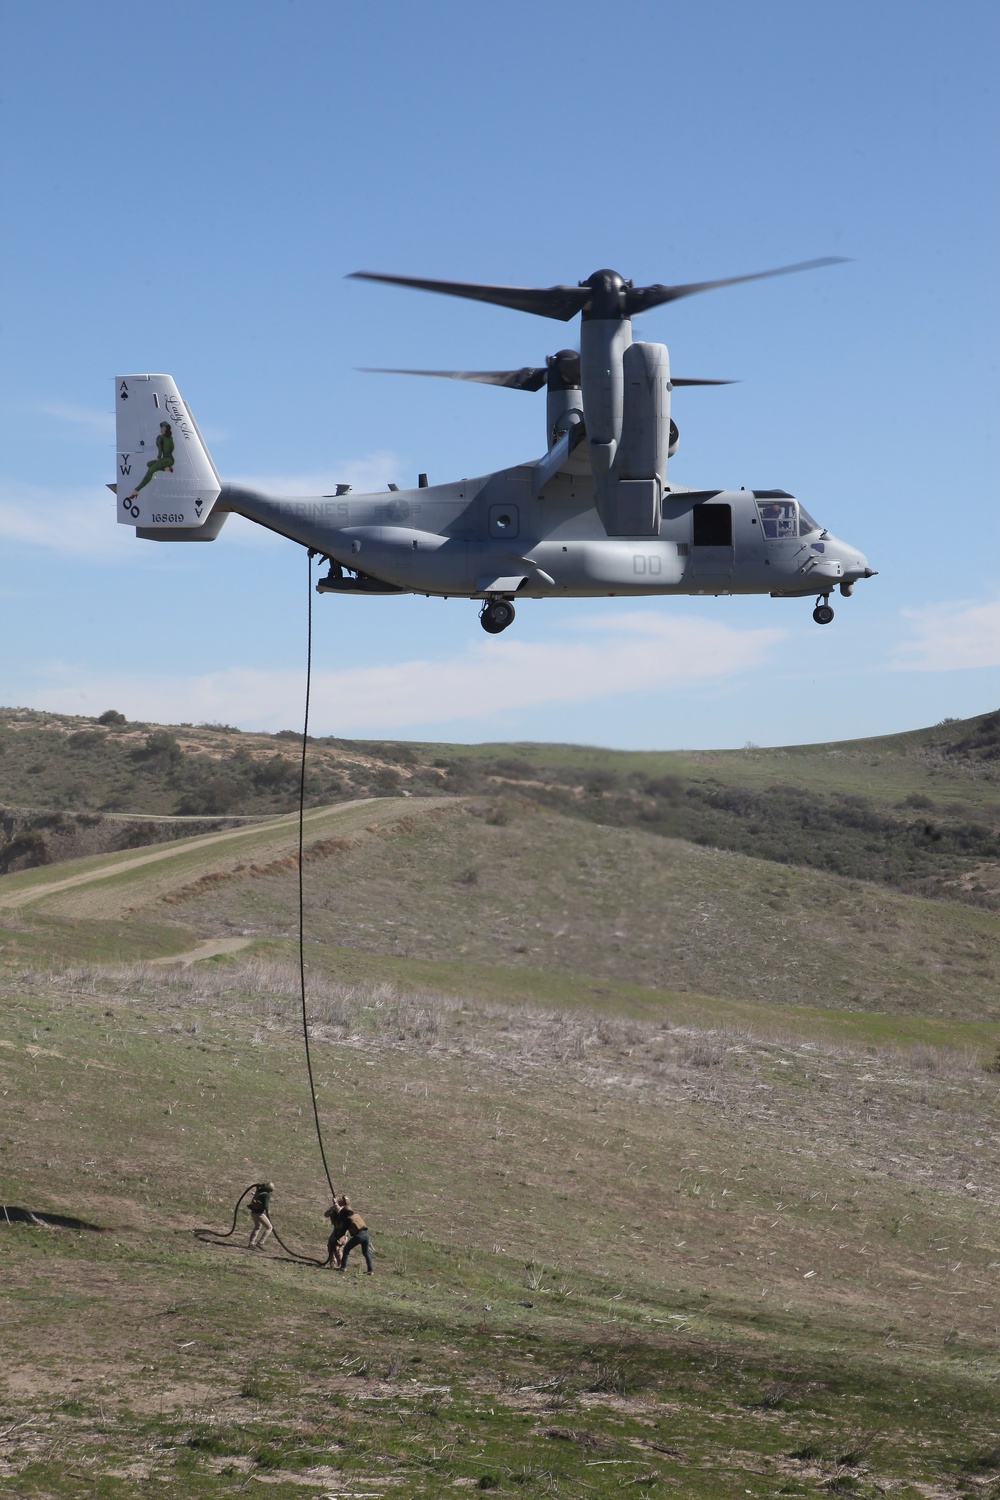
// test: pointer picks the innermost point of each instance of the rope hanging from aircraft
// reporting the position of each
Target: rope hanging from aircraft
(217, 1234)
(302, 904)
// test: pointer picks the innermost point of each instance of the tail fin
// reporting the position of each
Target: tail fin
(167, 483)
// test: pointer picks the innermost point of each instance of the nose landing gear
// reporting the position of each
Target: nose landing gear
(497, 614)
(823, 614)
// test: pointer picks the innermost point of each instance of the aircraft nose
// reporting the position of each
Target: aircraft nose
(855, 566)
(854, 562)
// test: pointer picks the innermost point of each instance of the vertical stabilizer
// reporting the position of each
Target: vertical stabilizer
(165, 477)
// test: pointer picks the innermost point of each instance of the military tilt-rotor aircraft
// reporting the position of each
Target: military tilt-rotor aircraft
(596, 515)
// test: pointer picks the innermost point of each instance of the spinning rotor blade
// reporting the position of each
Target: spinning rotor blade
(685, 380)
(566, 366)
(531, 378)
(561, 302)
(641, 298)
(605, 294)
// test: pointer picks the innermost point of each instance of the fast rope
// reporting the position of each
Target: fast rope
(216, 1234)
(302, 900)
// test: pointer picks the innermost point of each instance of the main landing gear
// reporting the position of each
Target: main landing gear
(823, 614)
(496, 615)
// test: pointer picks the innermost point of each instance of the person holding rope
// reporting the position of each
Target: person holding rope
(338, 1234)
(355, 1225)
(259, 1208)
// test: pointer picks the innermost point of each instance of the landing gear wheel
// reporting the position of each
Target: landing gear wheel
(822, 614)
(496, 615)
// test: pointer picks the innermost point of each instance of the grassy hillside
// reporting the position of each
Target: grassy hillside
(468, 885)
(918, 812)
(665, 1082)
(611, 1255)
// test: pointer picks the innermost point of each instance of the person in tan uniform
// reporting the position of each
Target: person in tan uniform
(258, 1208)
(338, 1233)
(357, 1229)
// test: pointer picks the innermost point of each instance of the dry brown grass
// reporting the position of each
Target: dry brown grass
(920, 1115)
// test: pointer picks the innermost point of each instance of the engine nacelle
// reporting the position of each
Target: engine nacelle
(675, 439)
(645, 440)
(604, 344)
(628, 501)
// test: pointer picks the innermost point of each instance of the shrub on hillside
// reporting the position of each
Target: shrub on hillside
(276, 774)
(983, 743)
(841, 833)
(513, 766)
(159, 751)
(85, 739)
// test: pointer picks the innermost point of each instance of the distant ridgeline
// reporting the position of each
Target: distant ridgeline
(918, 811)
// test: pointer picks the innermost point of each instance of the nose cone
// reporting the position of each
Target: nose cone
(854, 563)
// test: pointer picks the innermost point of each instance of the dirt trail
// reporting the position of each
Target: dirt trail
(210, 949)
(37, 892)
(116, 888)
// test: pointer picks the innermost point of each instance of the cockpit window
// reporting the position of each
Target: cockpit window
(779, 518)
(806, 522)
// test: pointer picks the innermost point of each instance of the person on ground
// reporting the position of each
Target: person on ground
(259, 1208)
(358, 1230)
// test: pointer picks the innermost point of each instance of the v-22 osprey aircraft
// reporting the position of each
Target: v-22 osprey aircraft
(596, 515)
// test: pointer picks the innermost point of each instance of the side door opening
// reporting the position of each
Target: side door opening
(712, 553)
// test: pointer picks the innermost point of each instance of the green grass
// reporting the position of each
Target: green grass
(591, 1237)
(886, 767)
(473, 884)
(44, 941)
(541, 891)
(679, 1162)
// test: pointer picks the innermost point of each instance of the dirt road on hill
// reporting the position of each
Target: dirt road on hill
(99, 892)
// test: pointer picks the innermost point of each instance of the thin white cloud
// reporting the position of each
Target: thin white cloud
(78, 522)
(100, 423)
(948, 637)
(82, 522)
(638, 652)
(366, 475)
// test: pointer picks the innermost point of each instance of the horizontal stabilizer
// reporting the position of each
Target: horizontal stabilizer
(206, 532)
(166, 478)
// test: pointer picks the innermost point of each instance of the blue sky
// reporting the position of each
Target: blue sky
(186, 188)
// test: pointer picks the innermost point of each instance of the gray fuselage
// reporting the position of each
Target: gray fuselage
(491, 536)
